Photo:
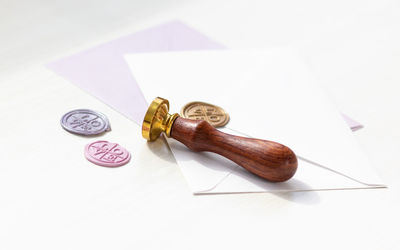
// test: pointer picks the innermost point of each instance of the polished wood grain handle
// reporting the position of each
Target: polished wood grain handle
(269, 160)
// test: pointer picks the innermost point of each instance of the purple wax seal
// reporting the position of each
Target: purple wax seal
(85, 122)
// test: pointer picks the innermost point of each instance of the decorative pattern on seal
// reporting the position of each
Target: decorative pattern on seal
(107, 154)
(213, 114)
(85, 122)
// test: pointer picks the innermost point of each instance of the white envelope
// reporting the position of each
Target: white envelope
(269, 95)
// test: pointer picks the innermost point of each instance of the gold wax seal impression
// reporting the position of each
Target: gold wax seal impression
(213, 114)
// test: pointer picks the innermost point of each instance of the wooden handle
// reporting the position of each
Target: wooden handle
(269, 160)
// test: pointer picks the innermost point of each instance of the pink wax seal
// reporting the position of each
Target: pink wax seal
(107, 154)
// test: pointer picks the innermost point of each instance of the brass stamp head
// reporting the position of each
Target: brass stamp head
(213, 114)
(157, 120)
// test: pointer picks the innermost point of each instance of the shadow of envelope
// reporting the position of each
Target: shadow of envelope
(269, 95)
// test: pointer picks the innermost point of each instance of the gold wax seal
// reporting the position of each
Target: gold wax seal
(213, 114)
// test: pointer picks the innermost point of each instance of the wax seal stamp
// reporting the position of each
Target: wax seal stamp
(85, 122)
(107, 154)
(213, 114)
(267, 159)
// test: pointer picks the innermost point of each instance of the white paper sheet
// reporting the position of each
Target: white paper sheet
(269, 95)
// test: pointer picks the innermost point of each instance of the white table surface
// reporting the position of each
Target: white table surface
(52, 198)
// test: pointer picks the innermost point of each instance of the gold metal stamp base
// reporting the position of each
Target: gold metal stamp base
(157, 120)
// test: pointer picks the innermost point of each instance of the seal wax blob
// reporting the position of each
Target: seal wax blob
(85, 122)
(213, 114)
(107, 154)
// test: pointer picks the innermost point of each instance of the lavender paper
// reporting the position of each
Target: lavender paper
(102, 71)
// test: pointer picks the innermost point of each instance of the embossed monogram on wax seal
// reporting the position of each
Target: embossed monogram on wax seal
(85, 122)
(107, 154)
(213, 114)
